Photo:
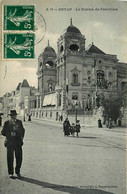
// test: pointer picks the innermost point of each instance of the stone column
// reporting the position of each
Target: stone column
(40, 101)
(37, 102)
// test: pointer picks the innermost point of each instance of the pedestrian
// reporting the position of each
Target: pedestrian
(72, 129)
(119, 122)
(66, 127)
(14, 132)
(24, 118)
(99, 123)
(29, 117)
(107, 123)
(0, 120)
(61, 118)
(110, 123)
(77, 127)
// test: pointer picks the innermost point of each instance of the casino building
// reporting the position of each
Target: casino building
(77, 78)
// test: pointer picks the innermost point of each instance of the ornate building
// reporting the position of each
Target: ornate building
(76, 77)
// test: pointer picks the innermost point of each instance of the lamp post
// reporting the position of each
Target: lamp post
(76, 106)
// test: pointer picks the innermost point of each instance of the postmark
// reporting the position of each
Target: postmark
(18, 17)
(40, 27)
(18, 46)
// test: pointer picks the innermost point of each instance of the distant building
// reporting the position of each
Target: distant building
(20, 99)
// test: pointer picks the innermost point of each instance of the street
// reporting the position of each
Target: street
(93, 163)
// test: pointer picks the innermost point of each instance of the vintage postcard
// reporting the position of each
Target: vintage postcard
(63, 96)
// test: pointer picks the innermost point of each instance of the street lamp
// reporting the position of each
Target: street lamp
(76, 107)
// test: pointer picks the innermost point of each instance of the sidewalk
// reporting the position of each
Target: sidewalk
(84, 128)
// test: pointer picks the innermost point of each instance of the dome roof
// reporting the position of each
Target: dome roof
(72, 29)
(49, 49)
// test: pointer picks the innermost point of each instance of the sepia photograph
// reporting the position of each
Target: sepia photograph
(63, 96)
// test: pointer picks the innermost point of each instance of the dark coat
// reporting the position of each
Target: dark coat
(14, 133)
(77, 128)
(99, 123)
(66, 127)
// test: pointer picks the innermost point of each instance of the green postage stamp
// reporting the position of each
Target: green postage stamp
(18, 46)
(18, 17)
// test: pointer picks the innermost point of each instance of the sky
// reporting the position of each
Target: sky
(105, 25)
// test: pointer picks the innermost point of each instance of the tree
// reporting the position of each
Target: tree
(112, 108)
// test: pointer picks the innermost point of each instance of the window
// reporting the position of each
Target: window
(74, 47)
(75, 78)
(59, 102)
(100, 78)
(61, 48)
(49, 64)
(110, 77)
(50, 87)
(74, 96)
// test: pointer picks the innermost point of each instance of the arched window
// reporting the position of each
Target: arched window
(100, 78)
(75, 78)
(110, 77)
(50, 87)
(74, 47)
(61, 48)
(49, 64)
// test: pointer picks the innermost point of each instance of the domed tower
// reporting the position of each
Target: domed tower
(71, 46)
(46, 71)
(71, 41)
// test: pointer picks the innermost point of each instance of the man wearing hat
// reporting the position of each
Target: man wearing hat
(14, 132)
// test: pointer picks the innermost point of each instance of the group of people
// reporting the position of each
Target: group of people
(109, 123)
(71, 129)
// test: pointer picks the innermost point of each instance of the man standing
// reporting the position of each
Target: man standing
(14, 132)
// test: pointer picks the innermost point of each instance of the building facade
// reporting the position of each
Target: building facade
(76, 77)
(21, 99)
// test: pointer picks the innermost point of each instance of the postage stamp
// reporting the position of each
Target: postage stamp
(18, 17)
(20, 46)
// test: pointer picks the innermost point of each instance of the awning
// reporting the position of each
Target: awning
(50, 99)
